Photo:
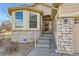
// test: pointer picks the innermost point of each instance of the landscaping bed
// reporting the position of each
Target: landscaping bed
(8, 48)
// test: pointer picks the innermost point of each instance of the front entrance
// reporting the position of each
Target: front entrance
(47, 26)
(76, 35)
(47, 23)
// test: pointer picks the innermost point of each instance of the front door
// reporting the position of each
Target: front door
(76, 35)
(47, 23)
(46, 26)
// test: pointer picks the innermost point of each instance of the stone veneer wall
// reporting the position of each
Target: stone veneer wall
(25, 36)
(65, 42)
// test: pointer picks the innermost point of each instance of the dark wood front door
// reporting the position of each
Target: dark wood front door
(46, 23)
(46, 26)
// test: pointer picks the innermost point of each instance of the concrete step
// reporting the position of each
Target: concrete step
(43, 46)
(45, 38)
(43, 41)
(47, 35)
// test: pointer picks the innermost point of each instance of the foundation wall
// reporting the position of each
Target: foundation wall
(25, 36)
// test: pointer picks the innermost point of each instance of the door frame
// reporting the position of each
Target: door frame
(46, 18)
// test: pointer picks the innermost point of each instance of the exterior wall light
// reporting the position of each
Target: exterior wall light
(65, 21)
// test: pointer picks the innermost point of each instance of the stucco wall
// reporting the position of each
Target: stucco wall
(68, 9)
(44, 8)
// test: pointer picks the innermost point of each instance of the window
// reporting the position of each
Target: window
(33, 20)
(19, 19)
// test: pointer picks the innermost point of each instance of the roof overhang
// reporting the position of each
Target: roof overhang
(56, 5)
(42, 4)
(10, 10)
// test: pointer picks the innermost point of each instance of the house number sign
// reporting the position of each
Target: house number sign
(65, 22)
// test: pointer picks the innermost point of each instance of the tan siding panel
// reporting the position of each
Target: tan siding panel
(68, 9)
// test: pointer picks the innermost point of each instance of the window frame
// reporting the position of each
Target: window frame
(32, 20)
(20, 20)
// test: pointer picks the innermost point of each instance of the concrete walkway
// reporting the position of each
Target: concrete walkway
(46, 47)
(43, 52)
(43, 47)
(39, 52)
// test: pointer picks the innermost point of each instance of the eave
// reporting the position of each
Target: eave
(42, 4)
(10, 10)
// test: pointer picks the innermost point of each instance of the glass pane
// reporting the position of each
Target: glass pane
(19, 19)
(33, 24)
(19, 15)
(33, 16)
(33, 20)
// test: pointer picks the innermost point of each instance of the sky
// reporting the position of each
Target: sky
(4, 10)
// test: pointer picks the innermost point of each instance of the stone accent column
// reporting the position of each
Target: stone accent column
(65, 36)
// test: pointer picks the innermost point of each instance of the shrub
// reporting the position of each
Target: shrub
(12, 47)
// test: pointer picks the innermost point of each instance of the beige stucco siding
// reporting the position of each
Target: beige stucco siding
(45, 9)
(68, 9)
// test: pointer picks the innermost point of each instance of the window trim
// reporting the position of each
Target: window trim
(33, 20)
(18, 26)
